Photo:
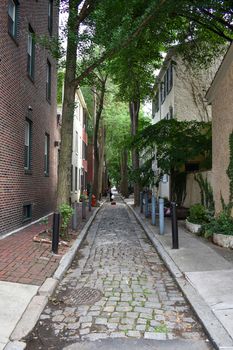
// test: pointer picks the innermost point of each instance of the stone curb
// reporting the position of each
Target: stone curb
(218, 335)
(37, 304)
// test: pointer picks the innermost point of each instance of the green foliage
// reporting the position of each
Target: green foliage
(207, 198)
(222, 224)
(60, 82)
(198, 214)
(66, 212)
(177, 142)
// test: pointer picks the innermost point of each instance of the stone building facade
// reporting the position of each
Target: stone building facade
(220, 96)
(180, 94)
(29, 128)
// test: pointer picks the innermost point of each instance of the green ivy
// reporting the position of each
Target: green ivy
(66, 212)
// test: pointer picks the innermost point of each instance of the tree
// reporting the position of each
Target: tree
(177, 142)
(116, 117)
(168, 22)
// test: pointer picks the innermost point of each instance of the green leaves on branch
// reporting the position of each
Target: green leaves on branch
(177, 142)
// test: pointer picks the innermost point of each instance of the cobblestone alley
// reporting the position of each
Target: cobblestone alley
(117, 294)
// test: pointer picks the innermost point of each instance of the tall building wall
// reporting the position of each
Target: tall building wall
(25, 98)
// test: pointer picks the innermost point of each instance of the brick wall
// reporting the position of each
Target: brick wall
(17, 93)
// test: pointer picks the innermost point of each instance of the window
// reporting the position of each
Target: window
(155, 104)
(46, 155)
(27, 212)
(27, 145)
(170, 77)
(50, 17)
(84, 151)
(165, 86)
(12, 18)
(76, 142)
(48, 81)
(171, 112)
(71, 179)
(76, 179)
(31, 53)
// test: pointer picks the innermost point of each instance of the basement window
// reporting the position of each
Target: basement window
(27, 212)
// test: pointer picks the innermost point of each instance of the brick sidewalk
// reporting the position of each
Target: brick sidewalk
(24, 261)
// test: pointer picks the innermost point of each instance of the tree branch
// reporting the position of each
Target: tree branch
(113, 51)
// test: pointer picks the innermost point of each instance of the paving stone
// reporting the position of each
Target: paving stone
(58, 318)
(101, 321)
(135, 334)
(140, 298)
(155, 336)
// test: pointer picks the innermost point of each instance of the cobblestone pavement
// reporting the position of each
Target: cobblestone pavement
(117, 287)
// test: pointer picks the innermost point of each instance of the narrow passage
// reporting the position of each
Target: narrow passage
(118, 291)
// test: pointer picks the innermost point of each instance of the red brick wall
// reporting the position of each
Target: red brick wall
(17, 92)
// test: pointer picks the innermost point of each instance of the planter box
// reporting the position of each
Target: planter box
(225, 241)
(194, 228)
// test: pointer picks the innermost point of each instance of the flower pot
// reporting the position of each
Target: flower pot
(194, 228)
(225, 241)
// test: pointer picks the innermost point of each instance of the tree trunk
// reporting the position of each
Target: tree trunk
(134, 107)
(100, 105)
(65, 161)
(124, 173)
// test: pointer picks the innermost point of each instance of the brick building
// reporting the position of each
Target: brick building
(28, 118)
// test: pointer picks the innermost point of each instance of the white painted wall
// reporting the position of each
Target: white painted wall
(77, 144)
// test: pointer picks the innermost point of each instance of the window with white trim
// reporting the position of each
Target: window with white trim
(12, 18)
(27, 145)
(46, 155)
(31, 53)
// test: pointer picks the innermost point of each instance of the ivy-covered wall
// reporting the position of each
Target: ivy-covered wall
(222, 108)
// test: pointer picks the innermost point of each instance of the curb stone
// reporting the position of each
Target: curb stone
(15, 345)
(218, 335)
(36, 306)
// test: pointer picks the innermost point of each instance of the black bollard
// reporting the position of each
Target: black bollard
(55, 240)
(175, 238)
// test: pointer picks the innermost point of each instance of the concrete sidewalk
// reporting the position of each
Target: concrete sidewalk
(205, 277)
(29, 273)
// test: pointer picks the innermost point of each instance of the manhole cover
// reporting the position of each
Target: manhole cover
(86, 296)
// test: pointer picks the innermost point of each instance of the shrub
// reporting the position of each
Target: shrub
(66, 212)
(197, 214)
(222, 224)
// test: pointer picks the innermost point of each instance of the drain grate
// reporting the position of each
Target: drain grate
(84, 296)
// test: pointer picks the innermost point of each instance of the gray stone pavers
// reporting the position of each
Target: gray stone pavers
(139, 299)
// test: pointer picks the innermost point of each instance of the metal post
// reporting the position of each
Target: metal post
(161, 216)
(146, 205)
(75, 216)
(55, 238)
(153, 210)
(175, 239)
(84, 208)
(141, 202)
(89, 200)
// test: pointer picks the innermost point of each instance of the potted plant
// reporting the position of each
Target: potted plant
(197, 217)
(221, 229)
